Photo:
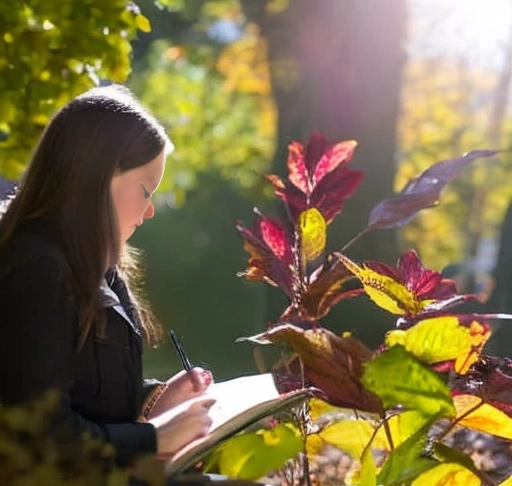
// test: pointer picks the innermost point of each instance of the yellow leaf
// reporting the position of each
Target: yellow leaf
(434, 340)
(314, 445)
(351, 436)
(479, 335)
(319, 407)
(143, 23)
(387, 293)
(447, 475)
(312, 231)
(484, 418)
(507, 482)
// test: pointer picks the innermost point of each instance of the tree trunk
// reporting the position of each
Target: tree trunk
(335, 68)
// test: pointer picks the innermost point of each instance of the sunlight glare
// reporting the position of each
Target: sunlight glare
(476, 30)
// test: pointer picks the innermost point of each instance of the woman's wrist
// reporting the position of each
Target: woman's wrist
(151, 401)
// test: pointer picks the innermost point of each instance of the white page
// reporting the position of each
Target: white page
(235, 396)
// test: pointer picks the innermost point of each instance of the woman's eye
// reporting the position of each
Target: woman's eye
(147, 194)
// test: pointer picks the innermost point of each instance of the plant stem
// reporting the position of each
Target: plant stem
(354, 239)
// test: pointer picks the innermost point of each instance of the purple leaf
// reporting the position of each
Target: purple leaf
(421, 192)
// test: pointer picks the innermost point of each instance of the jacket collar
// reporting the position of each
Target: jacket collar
(119, 303)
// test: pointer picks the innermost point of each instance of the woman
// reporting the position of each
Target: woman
(69, 320)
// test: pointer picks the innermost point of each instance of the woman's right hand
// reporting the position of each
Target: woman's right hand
(177, 389)
(181, 425)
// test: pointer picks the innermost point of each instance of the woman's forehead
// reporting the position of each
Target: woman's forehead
(150, 174)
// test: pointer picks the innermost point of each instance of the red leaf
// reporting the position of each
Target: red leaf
(338, 154)
(490, 379)
(307, 185)
(331, 363)
(316, 146)
(423, 282)
(323, 293)
(327, 290)
(293, 198)
(274, 236)
(263, 266)
(332, 192)
(297, 171)
(270, 253)
(421, 192)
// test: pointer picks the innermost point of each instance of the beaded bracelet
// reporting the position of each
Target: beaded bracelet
(150, 402)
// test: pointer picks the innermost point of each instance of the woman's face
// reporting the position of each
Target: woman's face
(132, 191)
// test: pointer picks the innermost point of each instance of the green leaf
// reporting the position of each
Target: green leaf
(400, 379)
(252, 455)
(401, 426)
(407, 461)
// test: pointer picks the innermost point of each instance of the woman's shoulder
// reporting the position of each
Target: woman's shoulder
(27, 245)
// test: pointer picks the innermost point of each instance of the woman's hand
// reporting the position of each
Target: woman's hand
(177, 389)
(181, 425)
(187, 384)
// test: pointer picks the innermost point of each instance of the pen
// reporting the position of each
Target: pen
(187, 365)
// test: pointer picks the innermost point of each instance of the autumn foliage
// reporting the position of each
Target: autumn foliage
(429, 376)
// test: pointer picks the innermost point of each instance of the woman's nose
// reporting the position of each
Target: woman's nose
(150, 211)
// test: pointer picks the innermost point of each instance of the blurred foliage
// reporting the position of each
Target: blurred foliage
(50, 52)
(32, 455)
(217, 107)
(34, 452)
(446, 111)
(203, 72)
(252, 455)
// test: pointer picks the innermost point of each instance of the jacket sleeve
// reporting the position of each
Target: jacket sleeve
(39, 330)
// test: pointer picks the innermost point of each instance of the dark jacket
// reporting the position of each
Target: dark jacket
(101, 384)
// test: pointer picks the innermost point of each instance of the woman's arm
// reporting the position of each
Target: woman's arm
(39, 333)
(37, 350)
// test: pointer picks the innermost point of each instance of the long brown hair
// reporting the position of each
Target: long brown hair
(68, 182)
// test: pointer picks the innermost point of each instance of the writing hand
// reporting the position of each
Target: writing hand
(179, 388)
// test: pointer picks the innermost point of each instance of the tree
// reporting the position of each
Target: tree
(50, 52)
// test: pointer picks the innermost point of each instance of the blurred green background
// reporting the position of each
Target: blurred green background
(234, 81)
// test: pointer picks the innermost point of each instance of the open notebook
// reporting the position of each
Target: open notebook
(240, 402)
